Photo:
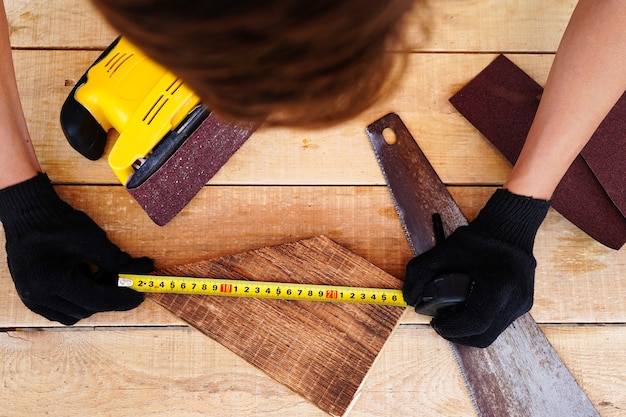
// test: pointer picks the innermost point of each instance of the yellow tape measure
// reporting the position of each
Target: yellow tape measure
(261, 289)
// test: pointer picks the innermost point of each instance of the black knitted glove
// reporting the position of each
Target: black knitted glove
(495, 250)
(53, 250)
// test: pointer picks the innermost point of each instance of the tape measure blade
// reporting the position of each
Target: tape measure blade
(261, 289)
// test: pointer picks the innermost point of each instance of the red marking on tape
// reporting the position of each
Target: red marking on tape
(332, 294)
(226, 288)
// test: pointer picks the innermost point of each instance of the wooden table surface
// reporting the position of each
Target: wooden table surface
(285, 185)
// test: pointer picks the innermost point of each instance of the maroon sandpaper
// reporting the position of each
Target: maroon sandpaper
(166, 192)
(606, 154)
(501, 102)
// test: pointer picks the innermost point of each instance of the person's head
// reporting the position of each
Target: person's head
(291, 62)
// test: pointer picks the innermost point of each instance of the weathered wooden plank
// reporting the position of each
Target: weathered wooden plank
(451, 25)
(322, 351)
(132, 373)
(59, 24)
(578, 280)
(161, 372)
(401, 379)
(337, 155)
(415, 375)
(489, 25)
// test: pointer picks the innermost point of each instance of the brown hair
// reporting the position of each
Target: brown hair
(291, 62)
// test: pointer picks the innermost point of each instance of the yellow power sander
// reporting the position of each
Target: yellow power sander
(169, 143)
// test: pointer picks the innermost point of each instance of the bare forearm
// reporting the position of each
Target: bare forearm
(587, 78)
(17, 157)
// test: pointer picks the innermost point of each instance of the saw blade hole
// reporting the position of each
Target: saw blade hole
(390, 136)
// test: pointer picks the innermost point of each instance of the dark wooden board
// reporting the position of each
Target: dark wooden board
(320, 350)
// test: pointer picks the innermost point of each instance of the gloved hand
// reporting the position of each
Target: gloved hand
(52, 250)
(496, 251)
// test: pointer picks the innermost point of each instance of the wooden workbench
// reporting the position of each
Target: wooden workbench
(285, 185)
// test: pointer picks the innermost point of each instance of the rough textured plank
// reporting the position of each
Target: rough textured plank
(577, 281)
(489, 25)
(57, 24)
(450, 25)
(150, 372)
(130, 373)
(338, 155)
(321, 351)
(597, 358)
(403, 383)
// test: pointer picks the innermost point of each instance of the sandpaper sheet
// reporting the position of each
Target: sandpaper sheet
(319, 350)
(164, 194)
(501, 102)
(606, 154)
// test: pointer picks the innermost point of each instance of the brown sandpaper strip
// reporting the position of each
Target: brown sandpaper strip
(164, 194)
(606, 154)
(501, 102)
(321, 351)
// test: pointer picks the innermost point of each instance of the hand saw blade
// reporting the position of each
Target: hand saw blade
(520, 374)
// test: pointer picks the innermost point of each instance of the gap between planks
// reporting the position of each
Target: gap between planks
(80, 328)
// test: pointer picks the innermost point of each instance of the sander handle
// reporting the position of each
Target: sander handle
(83, 132)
